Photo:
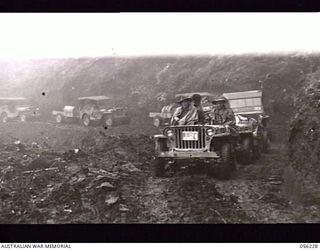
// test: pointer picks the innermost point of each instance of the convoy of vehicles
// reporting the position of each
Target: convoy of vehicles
(217, 147)
(93, 109)
(17, 108)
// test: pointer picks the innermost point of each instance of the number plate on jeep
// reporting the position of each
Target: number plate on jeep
(189, 136)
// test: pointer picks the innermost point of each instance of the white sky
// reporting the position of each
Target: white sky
(43, 35)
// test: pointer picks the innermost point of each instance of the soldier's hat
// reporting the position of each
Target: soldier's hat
(196, 97)
(219, 99)
(184, 98)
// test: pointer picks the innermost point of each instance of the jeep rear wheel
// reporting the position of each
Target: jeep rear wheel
(4, 117)
(86, 120)
(159, 169)
(247, 153)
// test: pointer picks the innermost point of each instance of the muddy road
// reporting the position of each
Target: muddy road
(72, 174)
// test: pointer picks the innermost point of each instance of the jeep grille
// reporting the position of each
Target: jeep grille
(181, 144)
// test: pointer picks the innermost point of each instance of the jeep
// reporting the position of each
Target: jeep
(92, 109)
(211, 145)
(16, 108)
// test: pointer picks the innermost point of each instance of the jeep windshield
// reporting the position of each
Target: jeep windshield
(14, 102)
(106, 104)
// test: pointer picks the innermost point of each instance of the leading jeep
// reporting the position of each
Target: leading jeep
(211, 145)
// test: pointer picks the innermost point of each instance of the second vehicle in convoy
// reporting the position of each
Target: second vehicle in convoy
(94, 109)
(250, 115)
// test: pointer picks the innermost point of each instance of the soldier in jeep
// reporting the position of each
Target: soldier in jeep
(196, 98)
(221, 114)
(186, 114)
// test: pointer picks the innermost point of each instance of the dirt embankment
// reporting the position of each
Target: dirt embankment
(303, 174)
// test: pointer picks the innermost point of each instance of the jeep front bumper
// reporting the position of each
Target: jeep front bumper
(188, 154)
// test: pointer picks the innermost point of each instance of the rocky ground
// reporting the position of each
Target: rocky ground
(71, 174)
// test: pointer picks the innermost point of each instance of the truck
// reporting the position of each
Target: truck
(93, 109)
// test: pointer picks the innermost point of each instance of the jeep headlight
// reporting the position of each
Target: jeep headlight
(210, 131)
(168, 132)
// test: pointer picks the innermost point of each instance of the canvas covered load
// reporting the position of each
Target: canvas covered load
(246, 102)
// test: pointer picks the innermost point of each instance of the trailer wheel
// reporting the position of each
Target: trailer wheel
(23, 118)
(109, 121)
(86, 120)
(59, 118)
(156, 122)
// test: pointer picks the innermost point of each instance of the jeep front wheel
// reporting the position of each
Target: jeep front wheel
(265, 142)
(224, 169)
(159, 167)
(86, 120)
(4, 117)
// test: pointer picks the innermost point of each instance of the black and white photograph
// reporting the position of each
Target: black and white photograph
(159, 118)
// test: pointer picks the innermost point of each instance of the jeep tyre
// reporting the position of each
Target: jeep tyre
(23, 118)
(59, 118)
(247, 153)
(224, 169)
(256, 153)
(86, 120)
(265, 142)
(108, 121)
(159, 165)
(4, 117)
(156, 122)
